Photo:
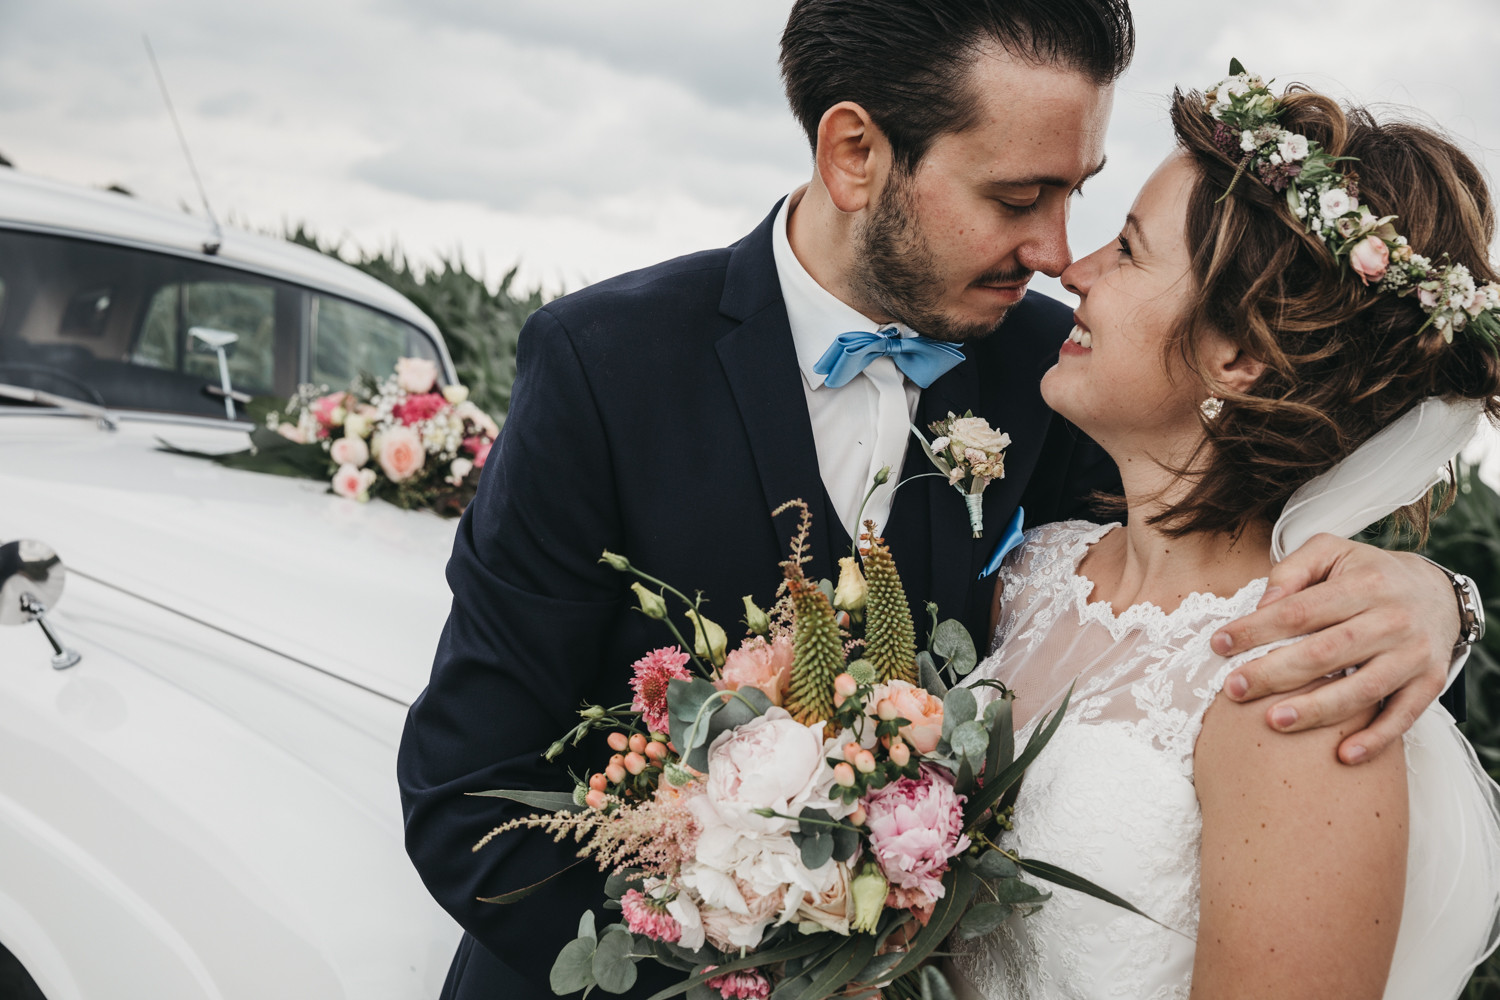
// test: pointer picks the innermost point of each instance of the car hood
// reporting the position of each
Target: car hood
(353, 589)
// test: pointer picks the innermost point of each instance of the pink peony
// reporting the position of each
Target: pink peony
(1369, 258)
(751, 984)
(415, 409)
(921, 709)
(401, 453)
(916, 825)
(479, 447)
(653, 672)
(416, 375)
(766, 666)
(644, 915)
(349, 450)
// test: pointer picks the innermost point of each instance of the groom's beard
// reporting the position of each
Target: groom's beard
(895, 271)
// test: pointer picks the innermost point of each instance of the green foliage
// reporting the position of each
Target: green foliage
(479, 324)
(1466, 539)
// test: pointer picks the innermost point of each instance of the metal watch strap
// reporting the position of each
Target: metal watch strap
(1470, 605)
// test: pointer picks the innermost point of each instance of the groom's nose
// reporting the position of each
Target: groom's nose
(1045, 246)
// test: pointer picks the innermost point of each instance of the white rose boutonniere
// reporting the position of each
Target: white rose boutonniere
(971, 454)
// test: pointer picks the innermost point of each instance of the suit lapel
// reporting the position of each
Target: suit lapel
(760, 364)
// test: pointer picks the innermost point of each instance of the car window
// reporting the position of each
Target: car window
(349, 339)
(137, 329)
(244, 308)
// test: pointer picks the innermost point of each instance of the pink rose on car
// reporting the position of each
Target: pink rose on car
(916, 825)
(765, 666)
(924, 712)
(416, 375)
(350, 451)
(1369, 258)
(330, 411)
(352, 483)
(401, 453)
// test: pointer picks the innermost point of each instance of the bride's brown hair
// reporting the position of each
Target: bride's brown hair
(1342, 360)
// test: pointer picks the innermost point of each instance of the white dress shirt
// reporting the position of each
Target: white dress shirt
(857, 427)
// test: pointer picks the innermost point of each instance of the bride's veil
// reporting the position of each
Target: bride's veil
(1449, 922)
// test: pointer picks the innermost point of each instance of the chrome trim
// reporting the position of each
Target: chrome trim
(108, 421)
(235, 635)
(137, 417)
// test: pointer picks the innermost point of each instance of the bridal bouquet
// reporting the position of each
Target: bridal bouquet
(812, 812)
(401, 438)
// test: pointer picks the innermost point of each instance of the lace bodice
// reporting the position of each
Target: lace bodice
(1112, 799)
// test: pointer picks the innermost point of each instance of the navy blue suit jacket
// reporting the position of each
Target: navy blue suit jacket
(661, 415)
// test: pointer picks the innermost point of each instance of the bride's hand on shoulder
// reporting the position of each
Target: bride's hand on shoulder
(1392, 614)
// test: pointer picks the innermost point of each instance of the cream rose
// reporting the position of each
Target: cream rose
(416, 375)
(828, 907)
(350, 450)
(352, 483)
(401, 453)
(976, 432)
(455, 394)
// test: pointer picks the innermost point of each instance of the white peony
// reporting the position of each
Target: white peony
(1293, 148)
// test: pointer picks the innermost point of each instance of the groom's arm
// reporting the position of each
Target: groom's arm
(1392, 614)
(519, 654)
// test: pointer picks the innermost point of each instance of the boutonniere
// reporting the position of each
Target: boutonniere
(971, 454)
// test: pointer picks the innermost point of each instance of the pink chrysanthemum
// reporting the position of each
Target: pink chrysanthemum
(652, 674)
(415, 409)
(644, 915)
(751, 984)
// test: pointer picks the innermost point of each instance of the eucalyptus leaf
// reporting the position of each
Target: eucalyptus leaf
(935, 985)
(702, 991)
(621, 882)
(574, 968)
(762, 956)
(877, 968)
(1013, 890)
(995, 789)
(786, 989)
(928, 672)
(959, 706)
(969, 740)
(983, 919)
(845, 842)
(817, 848)
(739, 708)
(963, 779)
(993, 865)
(826, 586)
(685, 697)
(614, 969)
(955, 645)
(586, 926)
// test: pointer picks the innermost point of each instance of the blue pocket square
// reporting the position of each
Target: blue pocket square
(1008, 541)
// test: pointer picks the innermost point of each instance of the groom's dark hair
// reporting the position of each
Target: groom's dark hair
(907, 62)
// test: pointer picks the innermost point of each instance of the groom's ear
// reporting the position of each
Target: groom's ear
(853, 157)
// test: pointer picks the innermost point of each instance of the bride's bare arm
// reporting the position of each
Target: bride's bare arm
(1304, 861)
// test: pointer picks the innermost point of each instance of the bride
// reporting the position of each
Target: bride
(1264, 311)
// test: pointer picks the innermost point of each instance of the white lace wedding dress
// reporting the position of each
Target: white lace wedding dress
(1111, 798)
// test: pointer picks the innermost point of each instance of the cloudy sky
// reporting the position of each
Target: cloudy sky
(580, 138)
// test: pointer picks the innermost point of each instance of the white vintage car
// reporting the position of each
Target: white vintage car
(197, 752)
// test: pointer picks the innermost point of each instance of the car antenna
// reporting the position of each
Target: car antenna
(212, 244)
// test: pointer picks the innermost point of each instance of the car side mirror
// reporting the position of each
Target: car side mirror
(31, 581)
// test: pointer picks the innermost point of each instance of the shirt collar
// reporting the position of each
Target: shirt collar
(815, 314)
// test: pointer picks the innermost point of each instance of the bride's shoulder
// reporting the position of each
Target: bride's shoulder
(1048, 550)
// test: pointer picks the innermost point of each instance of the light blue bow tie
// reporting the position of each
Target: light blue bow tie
(921, 359)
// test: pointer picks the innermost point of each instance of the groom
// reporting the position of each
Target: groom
(664, 414)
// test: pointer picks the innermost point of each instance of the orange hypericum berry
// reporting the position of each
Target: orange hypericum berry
(618, 742)
(597, 782)
(635, 763)
(638, 743)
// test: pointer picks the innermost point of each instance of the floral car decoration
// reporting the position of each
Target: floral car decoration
(402, 438)
(812, 811)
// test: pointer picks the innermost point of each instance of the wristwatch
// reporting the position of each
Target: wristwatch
(1470, 606)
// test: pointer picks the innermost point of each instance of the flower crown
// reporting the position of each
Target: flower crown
(1327, 201)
